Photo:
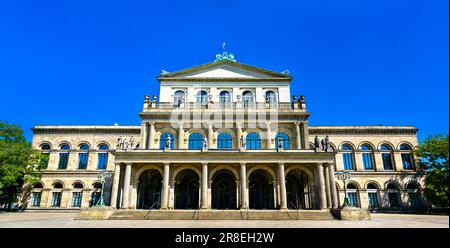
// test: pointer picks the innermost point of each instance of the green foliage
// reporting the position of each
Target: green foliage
(434, 161)
(19, 163)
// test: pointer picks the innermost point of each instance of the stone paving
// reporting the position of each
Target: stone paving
(61, 220)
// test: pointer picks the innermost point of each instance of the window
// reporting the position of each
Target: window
(406, 157)
(372, 191)
(76, 199)
(178, 97)
(247, 98)
(271, 97)
(347, 157)
(102, 157)
(353, 195)
(83, 157)
(202, 97)
(387, 157)
(195, 141)
(36, 199)
(367, 157)
(224, 97)
(63, 157)
(393, 195)
(56, 199)
(43, 163)
(96, 194)
(253, 142)
(163, 139)
(224, 141)
(284, 140)
(413, 195)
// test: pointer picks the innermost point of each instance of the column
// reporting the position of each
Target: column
(334, 193)
(239, 134)
(244, 195)
(143, 144)
(180, 135)
(126, 186)
(297, 135)
(282, 182)
(321, 186)
(327, 185)
(210, 135)
(165, 187)
(305, 134)
(204, 200)
(151, 135)
(115, 186)
(269, 135)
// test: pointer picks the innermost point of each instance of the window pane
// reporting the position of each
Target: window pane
(406, 159)
(387, 162)
(83, 160)
(95, 197)
(56, 199)
(353, 199)
(367, 161)
(63, 159)
(36, 199)
(43, 163)
(373, 200)
(195, 141)
(285, 141)
(393, 200)
(413, 200)
(348, 161)
(253, 142)
(102, 160)
(76, 199)
(224, 141)
(163, 139)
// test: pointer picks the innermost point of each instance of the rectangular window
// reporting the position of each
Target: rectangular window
(413, 199)
(406, 159)
(348, 161)
(56, 199)
(36, 199)
(76, 199)
(353, 199)
(83, 160)
(63, 160)
(44, 160)
(367, 161)
(102, 160)
(387, 161)
(95, 198)
(373, 200)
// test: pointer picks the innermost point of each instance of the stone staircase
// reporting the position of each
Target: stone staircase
(221, 215)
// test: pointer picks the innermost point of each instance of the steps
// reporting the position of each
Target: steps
(221, 215)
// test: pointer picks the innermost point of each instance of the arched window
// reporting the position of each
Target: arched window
(224, 141)
(413, 195)
(202, 97)
(63, 156)
(284, 140)
(347, 157)
(386, 156)
(56, 194)
(248, 98)
(224, 97)
(102, 157)
(367, 157)
(393, 195)
(271, 97)
(43, 162)
(83, 157)
(353, 195)
(372, 192)
(77, 195)
(178, 97)
(406, 153)
(163, 139)
(253, 141)
(195, 141)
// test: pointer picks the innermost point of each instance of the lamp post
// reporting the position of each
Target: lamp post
(344, 175)
(103, 177)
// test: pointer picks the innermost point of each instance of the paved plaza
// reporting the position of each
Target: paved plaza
(58, 220)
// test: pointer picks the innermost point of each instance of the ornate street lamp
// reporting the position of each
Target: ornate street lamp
(103, 176)
(344, 176)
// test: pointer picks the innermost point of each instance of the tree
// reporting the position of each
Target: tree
(19, 163)
(434, 153)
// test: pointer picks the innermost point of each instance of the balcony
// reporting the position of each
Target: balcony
(153, 106)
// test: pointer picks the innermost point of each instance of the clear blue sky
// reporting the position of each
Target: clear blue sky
(357, 62)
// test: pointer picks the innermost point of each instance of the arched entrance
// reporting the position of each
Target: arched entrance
(186, 190)
(149, 190)
(298, 190)
(224, 190)
(261, 190)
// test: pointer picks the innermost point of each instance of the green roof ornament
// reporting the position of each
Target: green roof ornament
(224, 55)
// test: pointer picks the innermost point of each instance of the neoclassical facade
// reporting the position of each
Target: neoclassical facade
(226, 135)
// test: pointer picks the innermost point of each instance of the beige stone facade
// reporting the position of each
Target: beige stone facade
(219, 157)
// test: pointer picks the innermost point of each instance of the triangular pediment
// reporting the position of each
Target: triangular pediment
(224, 70)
